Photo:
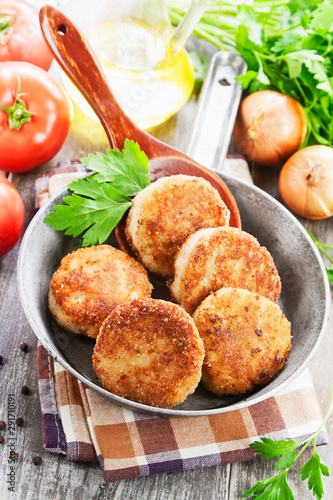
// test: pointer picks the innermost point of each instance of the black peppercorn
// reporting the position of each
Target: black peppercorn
(2, 425)
(37, 460)
(24, 347)
(25, 390)
(1, 439)
(19, 421)
(1, 360)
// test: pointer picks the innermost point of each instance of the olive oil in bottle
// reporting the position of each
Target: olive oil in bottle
(149, 81)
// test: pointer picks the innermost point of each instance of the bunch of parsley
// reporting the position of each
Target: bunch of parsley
(295, 58)
(288, 47)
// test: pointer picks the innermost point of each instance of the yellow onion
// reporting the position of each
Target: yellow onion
(306, 182)
(269, 127)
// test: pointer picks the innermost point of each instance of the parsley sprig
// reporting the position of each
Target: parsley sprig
(100, 200)
(322, 248)
(276, 487)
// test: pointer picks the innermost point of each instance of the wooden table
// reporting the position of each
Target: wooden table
(58, 479)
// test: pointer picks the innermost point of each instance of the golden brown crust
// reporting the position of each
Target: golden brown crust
(149, 351)
(90, 282)
(165, 213)
(222, 257)
(246, 337)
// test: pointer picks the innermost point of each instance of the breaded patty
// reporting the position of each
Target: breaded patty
(246, 337)
(149, 351)
(165, 213)
(90, 282)
(222, 257)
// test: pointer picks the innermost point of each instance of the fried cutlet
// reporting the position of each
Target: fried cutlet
(246, 337)
(149, 351)
(165, 213)
(90, 282)
(222, 257)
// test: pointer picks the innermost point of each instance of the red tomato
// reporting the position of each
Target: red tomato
(50, 110)
(21, 38)
(11, 215)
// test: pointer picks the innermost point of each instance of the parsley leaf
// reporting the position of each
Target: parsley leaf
(127, 171)
(312, 470)
(272, 449)
(322, 17)
(100, 200)
(96, 212)
(246, 79)
(254, 29)
(300, 57)
(274, 488)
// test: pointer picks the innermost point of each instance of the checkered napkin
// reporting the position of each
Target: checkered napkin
(85, 426)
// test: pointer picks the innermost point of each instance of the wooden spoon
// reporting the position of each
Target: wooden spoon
(76, 58)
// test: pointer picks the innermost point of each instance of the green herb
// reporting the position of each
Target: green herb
(200, 64)
(99, 201)
(321, 247)
(127, 171)
(288, 47)
(276, 487)
(295, 59)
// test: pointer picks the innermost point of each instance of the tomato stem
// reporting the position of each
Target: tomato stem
(6, 21)
(18, 113)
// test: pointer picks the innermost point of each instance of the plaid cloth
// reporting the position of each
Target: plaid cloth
(85, 426)
(46, 185)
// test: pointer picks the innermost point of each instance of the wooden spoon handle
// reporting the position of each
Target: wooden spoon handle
(76, 58)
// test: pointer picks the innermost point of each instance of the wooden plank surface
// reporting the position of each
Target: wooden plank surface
(58, 479)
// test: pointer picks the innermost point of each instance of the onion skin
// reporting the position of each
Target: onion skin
(306, 182)
(269, 127)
